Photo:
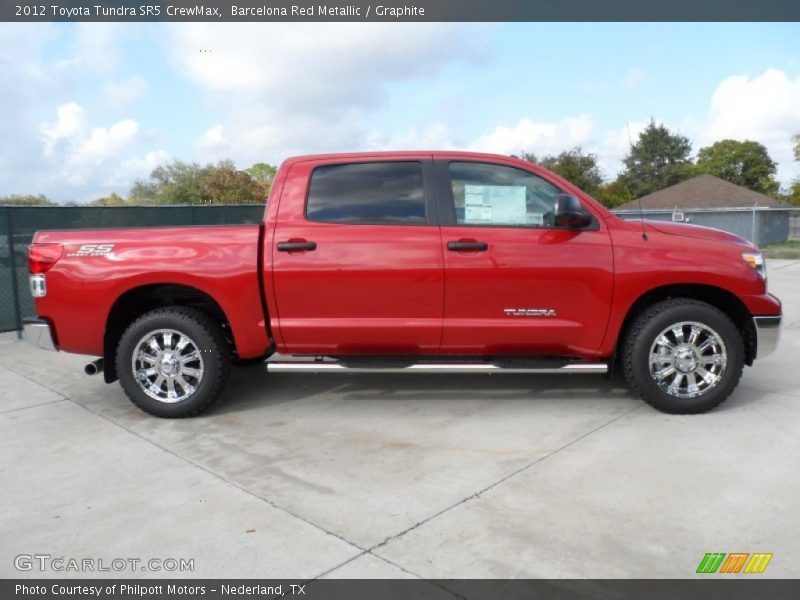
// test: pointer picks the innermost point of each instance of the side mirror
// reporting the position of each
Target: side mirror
(570, 213)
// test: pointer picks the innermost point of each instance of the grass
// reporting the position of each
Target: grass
(788, 249)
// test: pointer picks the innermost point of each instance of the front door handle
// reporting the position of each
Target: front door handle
(296, 246)
(462, 246)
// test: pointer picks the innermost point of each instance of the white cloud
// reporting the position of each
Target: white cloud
(68, 124)
(57, 150)
(125, 91)
(765, 108)
(213, 144)
(103, 142)
(314, 62)
(77, 150)
(615, 145)
(283, 88)
(128, 171)
(544, 137)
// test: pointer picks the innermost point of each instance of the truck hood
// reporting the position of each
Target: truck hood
(696, 231)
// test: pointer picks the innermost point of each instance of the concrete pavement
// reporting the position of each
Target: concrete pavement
(443, 476)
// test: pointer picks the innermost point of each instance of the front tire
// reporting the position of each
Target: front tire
(683, 356)
(173, 362)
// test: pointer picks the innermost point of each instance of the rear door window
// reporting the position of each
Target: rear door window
(390, 193)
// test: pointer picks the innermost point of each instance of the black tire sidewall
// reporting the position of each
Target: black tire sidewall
(658, 320)
(190, 325)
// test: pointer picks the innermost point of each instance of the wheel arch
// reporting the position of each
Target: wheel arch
(139, 300)
(718, 297)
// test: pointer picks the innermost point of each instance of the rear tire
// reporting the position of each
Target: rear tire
(683, 356)
(173, 362)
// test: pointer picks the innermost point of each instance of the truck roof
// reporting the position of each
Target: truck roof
(395, 154)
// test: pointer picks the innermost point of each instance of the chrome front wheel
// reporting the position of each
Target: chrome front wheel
(687, 359)
(167, 365)
(682, 355)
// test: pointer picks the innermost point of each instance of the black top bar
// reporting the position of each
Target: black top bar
(399, 10)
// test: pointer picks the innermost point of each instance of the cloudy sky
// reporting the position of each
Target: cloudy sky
(86, 109)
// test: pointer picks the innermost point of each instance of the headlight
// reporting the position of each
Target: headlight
(756, 260)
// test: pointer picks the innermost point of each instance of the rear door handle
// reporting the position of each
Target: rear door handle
(296, 246)
(466, 246)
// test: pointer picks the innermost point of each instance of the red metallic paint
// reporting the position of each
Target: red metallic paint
(383, 289)
(664, 259)
(569, 272)
(219, 260)
(365, 289)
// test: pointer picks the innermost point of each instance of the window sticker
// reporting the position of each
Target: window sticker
(497, 204)
(477, 214)
(535, 218)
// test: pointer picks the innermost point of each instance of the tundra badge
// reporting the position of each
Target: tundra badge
(529, 312)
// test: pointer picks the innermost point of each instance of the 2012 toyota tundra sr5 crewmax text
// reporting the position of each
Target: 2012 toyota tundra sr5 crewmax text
(408, 262)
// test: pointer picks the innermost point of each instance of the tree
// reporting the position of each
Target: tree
(577, 168)
(744, 163)
(794, 194)
(226, 185)
(114, 199)
(573, 165)
(614, 193)
(658, 159)
(26, 200)
(793, 197)
(190, 183)
(527, 157)
(262, 172)
(174, 183)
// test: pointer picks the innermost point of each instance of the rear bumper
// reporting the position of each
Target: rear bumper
(768, 332)
(37, 332)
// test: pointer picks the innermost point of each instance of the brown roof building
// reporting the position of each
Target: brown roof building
(703, 191)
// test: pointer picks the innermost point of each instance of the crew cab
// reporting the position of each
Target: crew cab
(408, 262)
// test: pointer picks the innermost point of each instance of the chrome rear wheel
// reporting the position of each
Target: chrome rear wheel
(174, 361)
(167, 365)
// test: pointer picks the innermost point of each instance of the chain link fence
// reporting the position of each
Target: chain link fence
(19, 223)
(760, 225)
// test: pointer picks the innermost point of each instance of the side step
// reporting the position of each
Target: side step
(378, 366)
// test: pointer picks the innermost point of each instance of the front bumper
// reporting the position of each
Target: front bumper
(768, 332)
(37, 332)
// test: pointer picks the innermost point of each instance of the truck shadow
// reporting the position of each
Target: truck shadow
(253, 387)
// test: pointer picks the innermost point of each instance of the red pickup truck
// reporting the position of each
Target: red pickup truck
(408, 262)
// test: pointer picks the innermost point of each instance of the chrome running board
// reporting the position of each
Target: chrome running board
(510, 367)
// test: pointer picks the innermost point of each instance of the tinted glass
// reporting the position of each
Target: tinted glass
(486, 194)
(388, 192)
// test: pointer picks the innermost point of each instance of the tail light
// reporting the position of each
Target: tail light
(41, 257)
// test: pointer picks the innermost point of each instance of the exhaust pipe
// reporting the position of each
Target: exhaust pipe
(94, 367)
